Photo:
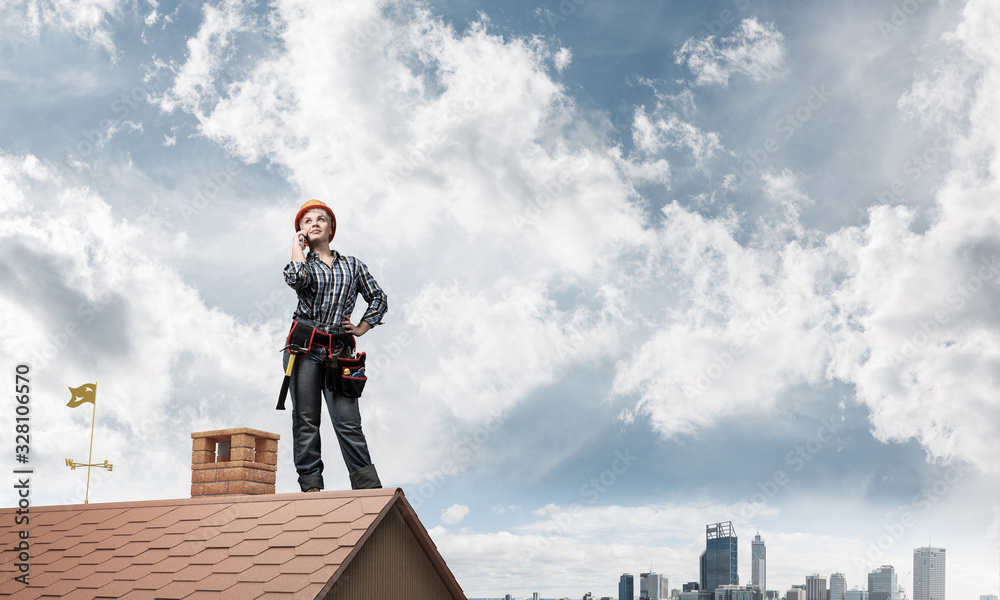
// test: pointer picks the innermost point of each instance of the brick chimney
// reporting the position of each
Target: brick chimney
(233, 462)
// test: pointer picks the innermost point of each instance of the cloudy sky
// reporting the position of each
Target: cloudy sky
(651, 265)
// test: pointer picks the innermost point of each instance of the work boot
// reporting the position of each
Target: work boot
(365, 478)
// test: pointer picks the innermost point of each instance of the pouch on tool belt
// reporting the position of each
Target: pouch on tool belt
(299, 338)
(340, 378)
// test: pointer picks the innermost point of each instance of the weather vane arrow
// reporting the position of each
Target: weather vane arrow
(80, 395)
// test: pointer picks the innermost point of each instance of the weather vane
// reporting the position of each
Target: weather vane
(86, 393)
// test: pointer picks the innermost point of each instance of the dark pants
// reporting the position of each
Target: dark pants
(306, 387)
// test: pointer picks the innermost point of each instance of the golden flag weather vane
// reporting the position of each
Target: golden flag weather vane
(81, 395)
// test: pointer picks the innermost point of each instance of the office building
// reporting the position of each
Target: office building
(720, 556)
(758, 564)
(626, 587)
(737, 592)
(703, 571)
(691, 586)
(815, 587)
(928, 573)
(838, 587)
(882, 584)
(855, 594)
(797, 592)
(653, 586)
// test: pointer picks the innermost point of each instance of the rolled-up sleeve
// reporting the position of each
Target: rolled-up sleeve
(378, 302)
(297, 276)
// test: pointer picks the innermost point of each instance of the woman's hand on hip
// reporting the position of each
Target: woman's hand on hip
(358, 330)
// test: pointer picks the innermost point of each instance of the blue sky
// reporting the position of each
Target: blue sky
(651, 265)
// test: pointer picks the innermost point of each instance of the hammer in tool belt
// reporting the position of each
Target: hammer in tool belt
(293, 351)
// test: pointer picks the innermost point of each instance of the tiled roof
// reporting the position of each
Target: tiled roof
(272, 546)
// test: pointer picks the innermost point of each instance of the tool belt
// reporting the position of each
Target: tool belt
(344, 366)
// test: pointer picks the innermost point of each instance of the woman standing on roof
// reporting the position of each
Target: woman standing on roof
(327, 284)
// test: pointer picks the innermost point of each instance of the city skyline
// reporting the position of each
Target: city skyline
(929, 558)
(882, 578)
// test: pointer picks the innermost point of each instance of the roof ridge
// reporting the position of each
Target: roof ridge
(288, 496)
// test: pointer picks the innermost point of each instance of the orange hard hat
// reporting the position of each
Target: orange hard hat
(317, 204)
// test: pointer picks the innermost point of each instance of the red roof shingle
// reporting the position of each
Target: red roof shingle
(247, 547)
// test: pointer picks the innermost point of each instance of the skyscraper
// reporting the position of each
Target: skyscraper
(928, 573)
(815, 587)
(882, 584)
(653, 586)
(626, 587)
(758, 564)
(720, 556)
(703, 571)
(838, 587)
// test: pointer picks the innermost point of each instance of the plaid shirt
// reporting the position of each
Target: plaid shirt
(326, 295)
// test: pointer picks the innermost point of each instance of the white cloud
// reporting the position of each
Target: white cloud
(208, 52)
(652, 171)
(87, 19)
(755, 49)
(747, 325)
(14, 172)
(782, 189)
(500, 509)
(941, 92)
(919, 335)
(653, 133)
(901, 313)
(562, 58)
(667, 127)
(454, 514)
